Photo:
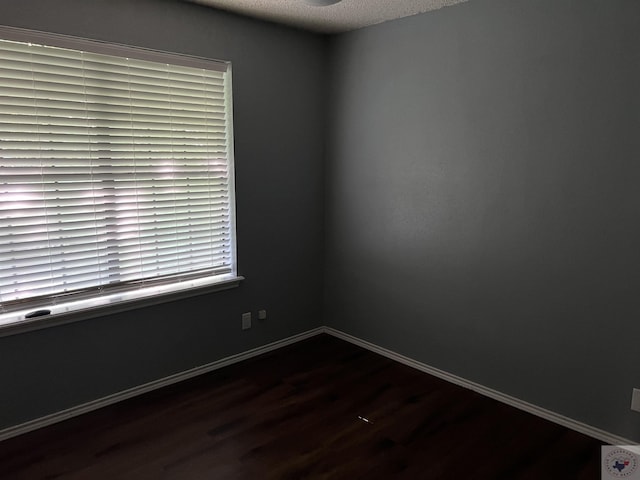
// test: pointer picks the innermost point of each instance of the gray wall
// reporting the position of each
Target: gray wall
(279, 90)
(483, 198)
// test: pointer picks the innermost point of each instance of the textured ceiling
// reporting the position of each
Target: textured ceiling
(341, 17)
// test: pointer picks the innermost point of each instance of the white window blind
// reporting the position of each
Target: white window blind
(116, 171)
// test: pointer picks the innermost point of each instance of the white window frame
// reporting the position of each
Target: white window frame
(76, 309)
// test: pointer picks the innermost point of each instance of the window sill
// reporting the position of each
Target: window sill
(15, 323)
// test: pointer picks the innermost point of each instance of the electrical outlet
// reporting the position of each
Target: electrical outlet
(262, 314)
(246, 321)
(635, 400)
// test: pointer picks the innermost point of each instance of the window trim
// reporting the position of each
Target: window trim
(14, 322)
(23, 325)
(110, 48)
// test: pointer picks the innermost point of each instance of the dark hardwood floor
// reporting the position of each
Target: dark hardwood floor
(320, 409)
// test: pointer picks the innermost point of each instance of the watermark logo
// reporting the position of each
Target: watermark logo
(622, 461)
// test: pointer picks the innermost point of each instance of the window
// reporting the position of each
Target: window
(116, 174)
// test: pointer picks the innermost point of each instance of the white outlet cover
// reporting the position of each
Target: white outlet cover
(246, 321)
(635, 400)
(262, 314)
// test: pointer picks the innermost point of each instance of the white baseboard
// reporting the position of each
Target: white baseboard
(148, 387)
(178, 377)
(570, 423)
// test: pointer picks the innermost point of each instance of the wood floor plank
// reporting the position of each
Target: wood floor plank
(319, 409)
